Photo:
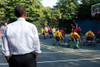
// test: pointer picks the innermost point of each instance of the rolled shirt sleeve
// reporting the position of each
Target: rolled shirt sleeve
(36, 40)
(5, 47)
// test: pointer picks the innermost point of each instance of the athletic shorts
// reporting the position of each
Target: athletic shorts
(50, 33)
(89, 38)
(57, 38)
(43, 34)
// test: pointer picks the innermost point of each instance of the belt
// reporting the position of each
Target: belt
(23, 54)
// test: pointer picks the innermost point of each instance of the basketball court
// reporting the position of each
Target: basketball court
(61, 56)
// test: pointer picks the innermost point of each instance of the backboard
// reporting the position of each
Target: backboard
(95, 9)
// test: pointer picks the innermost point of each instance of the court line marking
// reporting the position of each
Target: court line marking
(57, 61)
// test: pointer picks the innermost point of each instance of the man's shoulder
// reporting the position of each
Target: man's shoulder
(30, 23)
(15, 22)
(12, 23)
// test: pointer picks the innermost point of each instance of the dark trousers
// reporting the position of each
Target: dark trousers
(26, 60)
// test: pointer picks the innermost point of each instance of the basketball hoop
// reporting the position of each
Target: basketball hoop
(95, 9)
(93, 14)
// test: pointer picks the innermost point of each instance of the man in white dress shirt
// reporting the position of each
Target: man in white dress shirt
(22, 37)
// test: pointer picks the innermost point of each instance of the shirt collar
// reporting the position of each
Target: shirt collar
(21, 19)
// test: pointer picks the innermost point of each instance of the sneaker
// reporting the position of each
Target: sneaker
(76, 48)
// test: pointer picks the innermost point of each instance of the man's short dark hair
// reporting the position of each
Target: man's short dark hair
(19, 10)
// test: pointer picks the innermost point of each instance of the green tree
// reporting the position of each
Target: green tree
(52, 16)
(55, 18)
(2, 12)
(46, 19)
(33, 9)
(68, 10)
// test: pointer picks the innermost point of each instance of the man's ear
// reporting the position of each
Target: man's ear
(25, 14)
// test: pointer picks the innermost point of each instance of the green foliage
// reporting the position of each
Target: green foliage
(2, 12)
(47, 18)
(55, 17)
(68, 9)
(61, 15)
(33, 9)
(68, 12)
(38, 25)
(52, 16)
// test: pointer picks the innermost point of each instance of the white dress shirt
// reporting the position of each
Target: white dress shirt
(21, 37)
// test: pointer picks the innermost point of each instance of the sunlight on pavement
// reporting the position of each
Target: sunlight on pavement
(79, 52)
